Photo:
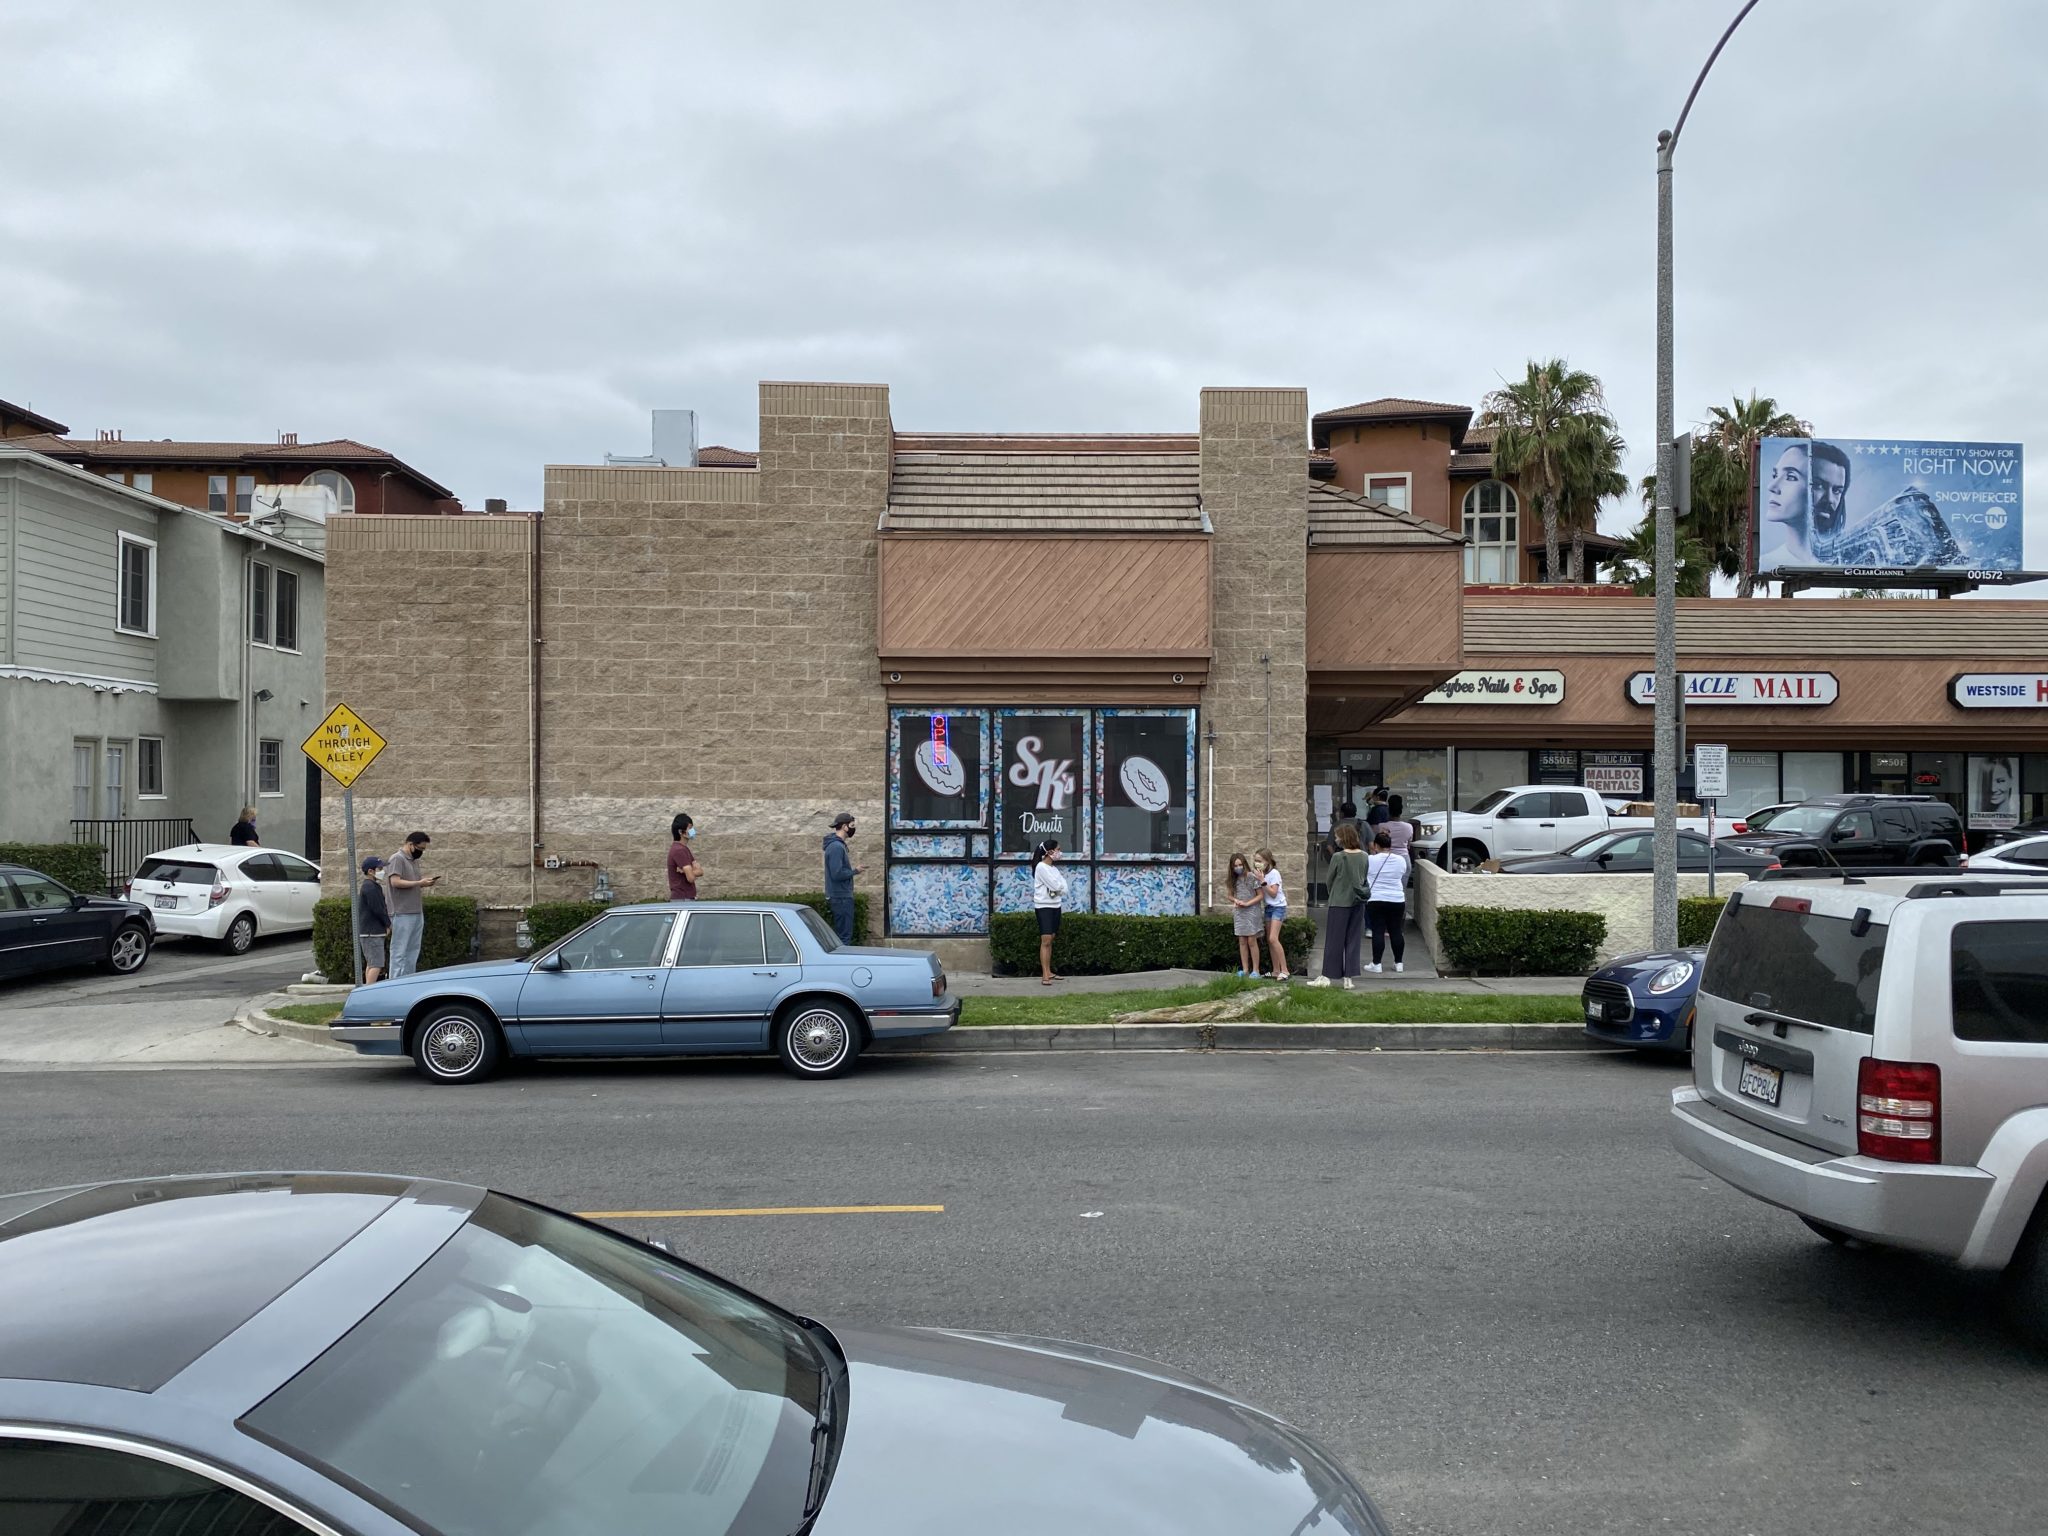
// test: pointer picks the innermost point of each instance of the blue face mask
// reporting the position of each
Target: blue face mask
(690, 834)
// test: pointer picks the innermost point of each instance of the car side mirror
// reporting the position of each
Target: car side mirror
(1604, 858)
(549, 962)
(79, 898)
(1840, 835)
(1510, 810)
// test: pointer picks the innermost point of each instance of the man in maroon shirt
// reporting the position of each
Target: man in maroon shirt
(682, 862)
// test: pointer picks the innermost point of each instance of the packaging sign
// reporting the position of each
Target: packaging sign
(1041, 781)
(1994, 793)
(1482, 687)
(1710, 771)
(1749, 688)
(2000, 690)
(1889, 507)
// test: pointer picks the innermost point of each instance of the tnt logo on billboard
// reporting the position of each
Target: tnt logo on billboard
(1994, 517)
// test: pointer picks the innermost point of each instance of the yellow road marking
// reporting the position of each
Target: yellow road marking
(770, 1210)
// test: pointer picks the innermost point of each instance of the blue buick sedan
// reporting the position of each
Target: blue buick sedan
(660, 979)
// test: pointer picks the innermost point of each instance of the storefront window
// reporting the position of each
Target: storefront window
(1809, 775)
(935, 775)
(1752, 783)
(1421, 776)
(1480, 773)
(2033, 787)
(1557, 765)
(1994, 793)
(1041, 790)
(1147, 760)
(1620, 775)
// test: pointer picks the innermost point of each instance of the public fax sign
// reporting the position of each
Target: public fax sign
(343, 745)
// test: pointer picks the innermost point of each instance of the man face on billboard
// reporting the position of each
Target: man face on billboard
(1830, 488)
(1787, 497)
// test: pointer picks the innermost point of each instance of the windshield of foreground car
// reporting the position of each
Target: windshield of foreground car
(1804, 820)
(538, 1377)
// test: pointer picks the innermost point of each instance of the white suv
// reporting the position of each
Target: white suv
(226, 894)
(1872, 1055)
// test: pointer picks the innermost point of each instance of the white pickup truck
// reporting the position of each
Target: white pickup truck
(1525, 820)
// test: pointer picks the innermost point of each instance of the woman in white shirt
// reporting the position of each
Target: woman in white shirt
(1048, 897)
(1386, 900)
(1276, 911)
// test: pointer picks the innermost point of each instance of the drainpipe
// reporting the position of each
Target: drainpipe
(533, 648)
(1209, 823)
(245, 719)
(1266, 661)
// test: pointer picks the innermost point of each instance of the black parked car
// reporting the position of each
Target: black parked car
(45, 925)
(1896, 830)
(1628, 853)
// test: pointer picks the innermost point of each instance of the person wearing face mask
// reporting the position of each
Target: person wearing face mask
(683, 872)
(839, 872)
(408, 905)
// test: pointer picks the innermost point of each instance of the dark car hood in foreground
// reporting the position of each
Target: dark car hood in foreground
(948, 1433)
(1630, 967)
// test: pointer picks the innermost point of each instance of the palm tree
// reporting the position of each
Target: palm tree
(1723, 477)
(1637, 562)
(1543, 420)
(1593, 473)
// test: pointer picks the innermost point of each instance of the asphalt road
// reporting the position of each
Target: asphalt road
(1484, 1280)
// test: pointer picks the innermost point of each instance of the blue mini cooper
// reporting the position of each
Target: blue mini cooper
(1645, 1000)
(660, 979)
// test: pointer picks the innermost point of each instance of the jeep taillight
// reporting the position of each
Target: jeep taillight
(1898, 1110)
(218, 894)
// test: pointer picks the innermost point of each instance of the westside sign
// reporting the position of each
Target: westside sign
(1498, 688)
(1999, 690)
(1752, 688)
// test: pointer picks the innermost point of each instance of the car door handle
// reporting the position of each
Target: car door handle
(767, 973)
(1546, 823)
(39, 920)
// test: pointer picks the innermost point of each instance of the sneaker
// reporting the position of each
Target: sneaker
(1347, 983)
(1320, 981)
(1400, 966)
(1373, 969)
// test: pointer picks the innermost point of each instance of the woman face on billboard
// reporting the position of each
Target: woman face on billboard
(1788, 495)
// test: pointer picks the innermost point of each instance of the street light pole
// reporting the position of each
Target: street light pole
(1664, 842)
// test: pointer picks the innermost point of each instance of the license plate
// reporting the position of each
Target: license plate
(1760, 1082)
(166, 903)
(1595, 1014)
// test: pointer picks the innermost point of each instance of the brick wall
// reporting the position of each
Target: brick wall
(427, 641)
(1255, 489)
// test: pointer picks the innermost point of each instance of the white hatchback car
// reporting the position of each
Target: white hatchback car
(2020, 856)
(226, 894)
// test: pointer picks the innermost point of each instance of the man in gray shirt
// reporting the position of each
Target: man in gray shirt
(408, 908)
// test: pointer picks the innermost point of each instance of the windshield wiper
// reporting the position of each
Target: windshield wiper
(823, 1431)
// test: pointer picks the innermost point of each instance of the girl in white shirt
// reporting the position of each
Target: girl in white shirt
(1276, 911)
(1386, 900)
(1048, 898)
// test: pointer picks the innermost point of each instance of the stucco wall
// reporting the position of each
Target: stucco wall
(1624, 900)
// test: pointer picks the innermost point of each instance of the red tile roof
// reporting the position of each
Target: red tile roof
(714, 456)
(339, 450)
(1392, 408)
(29, 418)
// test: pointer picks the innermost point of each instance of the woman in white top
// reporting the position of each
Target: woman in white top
(1276, 912)
(1048, 897)
(1386, 900)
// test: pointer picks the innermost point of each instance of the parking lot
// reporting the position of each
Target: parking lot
(1485, 1280)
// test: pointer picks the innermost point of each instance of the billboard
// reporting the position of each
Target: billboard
(1886, 507)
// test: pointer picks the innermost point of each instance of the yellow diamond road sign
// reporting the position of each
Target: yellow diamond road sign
(343, 745)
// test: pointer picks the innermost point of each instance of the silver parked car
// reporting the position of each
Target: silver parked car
(277, 1354)
(1871, 1054)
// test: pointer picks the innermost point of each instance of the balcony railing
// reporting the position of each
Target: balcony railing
(128, 841)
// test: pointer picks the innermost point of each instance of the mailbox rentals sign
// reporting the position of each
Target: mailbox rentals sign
(1751, 688)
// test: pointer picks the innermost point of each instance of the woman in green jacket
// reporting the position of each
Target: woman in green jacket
(1344, 922)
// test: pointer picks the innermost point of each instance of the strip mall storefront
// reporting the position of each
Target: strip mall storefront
(1811, 697)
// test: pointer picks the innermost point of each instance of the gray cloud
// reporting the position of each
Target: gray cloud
(490, 238)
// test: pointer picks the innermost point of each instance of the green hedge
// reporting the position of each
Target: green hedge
(1696, 918)
(548, 921)
(450, 937)
(1096, 944)
(1493, 942)
(82, 866)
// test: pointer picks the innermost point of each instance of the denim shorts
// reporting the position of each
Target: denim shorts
(1276, 914)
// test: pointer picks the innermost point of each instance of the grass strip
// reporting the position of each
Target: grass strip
(1060, 1009)
(1333, 1005)
(306, 1013)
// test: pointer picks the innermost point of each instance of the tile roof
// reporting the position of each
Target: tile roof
(1473, 465)
(27, 417)
(1392, 408)
(338, 450)
(1042, 490)
(1339, 519)
(715, 456)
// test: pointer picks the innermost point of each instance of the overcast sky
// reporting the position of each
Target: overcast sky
(489, 238)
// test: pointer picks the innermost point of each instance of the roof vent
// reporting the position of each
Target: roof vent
(110, 434)
(495, 507)
(287, 439)
(675, 443)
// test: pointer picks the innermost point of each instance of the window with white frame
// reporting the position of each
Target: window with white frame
(337, 482)
(143, 480)
(83, 756)
(286, 630)
(216, 493)
(259, 603)
(269, 766)
(1492, 527)
(245, 494)
(1395, 490)
(137, 600)
(115, 786)
(149, 768)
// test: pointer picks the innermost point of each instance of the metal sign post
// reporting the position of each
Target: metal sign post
(343, 745)
(1710, 783)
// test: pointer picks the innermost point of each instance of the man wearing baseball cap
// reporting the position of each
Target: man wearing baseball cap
(839, 872)
(375, 918)
(408, 904)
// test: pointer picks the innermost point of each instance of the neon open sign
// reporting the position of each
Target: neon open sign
(939, 740)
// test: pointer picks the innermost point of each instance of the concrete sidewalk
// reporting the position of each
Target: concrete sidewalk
(974, 984)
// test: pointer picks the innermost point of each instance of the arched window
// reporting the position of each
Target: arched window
(1492, 523)
(337, 482)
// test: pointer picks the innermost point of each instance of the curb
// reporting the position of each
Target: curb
(255, 1017)
(1235, 1036)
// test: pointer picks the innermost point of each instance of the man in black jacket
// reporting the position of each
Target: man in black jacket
(375, 916)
